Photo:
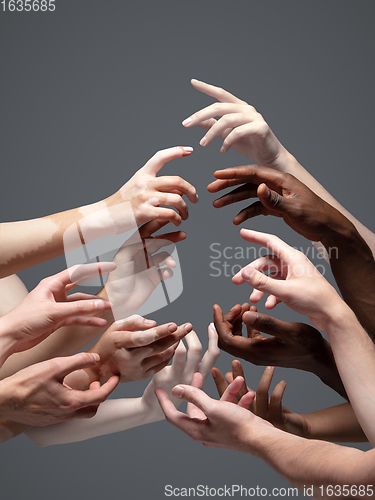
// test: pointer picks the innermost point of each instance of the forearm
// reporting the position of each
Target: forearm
(113, 416)
(307, 463)
(351, 256)
(354, 353)
(323, 366)
(9, 430)
(336, 424)
(28, 243)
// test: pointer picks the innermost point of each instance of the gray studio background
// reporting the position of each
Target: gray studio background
(88, 93)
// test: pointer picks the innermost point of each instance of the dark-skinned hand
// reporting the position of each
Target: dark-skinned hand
(292, 345)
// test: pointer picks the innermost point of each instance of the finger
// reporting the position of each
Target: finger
(238, 194)
(262, 392)
(221, 184)
(275, 414)
(141, 338)
(160, 345)
(194, 353)
(243, 130)
(160, 362)
(216, 92)
(253, 210)
(232, 390)
(173, 237)
(155, 163)
(173, 416)
(247, 400)
(271, 199)
(85, 321)
(175, 183)
(163, 258)
(195, 396)
(271, 302)
(65, 365)
(97, 396)
(219, 380)
(269, 325)
(252, 332)
(134, 322)
(212, 354)
(237, 371)
(84, 272)
(192, 411)
(229, 122)
(163, 214)
(207, 124)
(216, 109)
(261, 282)
(179, 360)
(270, 241)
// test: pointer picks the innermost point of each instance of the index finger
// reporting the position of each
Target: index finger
(80, 273)
(269, 241)
(97, 396)
(155, 163)
(217, 92)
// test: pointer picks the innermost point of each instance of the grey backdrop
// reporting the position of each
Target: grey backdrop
(90, 92)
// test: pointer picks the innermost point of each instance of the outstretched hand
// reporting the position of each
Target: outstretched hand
(269, 408)
(240, 126)
(48, 306)
(280, 195)
(38, 395)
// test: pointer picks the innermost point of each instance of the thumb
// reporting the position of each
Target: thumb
(195, 396)
(260, 281)
(69, 364)
(271, 199)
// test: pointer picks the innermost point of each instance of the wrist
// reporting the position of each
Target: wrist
(8, 339)
(256, 440)
(8, 399)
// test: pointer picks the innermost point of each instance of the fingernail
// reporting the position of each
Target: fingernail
(222, 149)
(195, 80)
(99, 304)
(188, 150)
(186, 122)
(96, 356)
(212, 326)
(251, 316)
(203, 141)
(247, 272)
(149, 322)
(172, 328)
(269, 367)
(196, 198)
(178, 391)
(188, 327)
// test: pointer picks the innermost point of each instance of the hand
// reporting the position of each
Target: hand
(218, 424)
(295, 274)
(137, 274)
(240, 127)
(48, 307)
(182, 369)
(292, 345)
(145, 192)
(135, 349)
(38, 396)
(280, 195)
(268, 408)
